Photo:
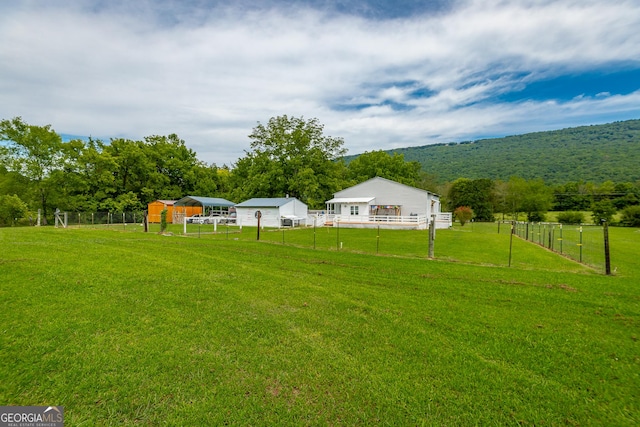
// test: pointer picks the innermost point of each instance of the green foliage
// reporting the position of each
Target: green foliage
(536, 217)
(532, 197)
(631, 216)
(209, 181)
(381, 164)
(477, 194)
(13, 183)
(626, 194)
(579, 196)
(570, 217)
(463, 214)
(32, 151)
(163, 220)
(573, 196)
(592, 153)
(92, 175)
(175, 169)
(12, 209)
(290, 155)
(603, 210)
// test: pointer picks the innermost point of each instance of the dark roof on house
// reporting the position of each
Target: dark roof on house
(203, 201)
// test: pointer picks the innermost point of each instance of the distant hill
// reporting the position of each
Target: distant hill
(590, 153)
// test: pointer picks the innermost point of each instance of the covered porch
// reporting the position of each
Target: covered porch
(399, 222)
(364, 212)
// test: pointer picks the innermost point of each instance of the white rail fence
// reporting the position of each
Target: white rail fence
(442, 220)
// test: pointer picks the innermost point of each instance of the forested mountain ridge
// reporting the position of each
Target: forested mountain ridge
(595, 153)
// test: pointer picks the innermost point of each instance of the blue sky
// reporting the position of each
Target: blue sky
(379, 74)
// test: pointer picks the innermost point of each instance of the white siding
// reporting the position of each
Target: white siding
(295, 207)
(247, 216)
(410, 200)
(271, 216)
(353, 209)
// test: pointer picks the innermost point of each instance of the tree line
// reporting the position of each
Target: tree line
(519, 198)
(287, 156)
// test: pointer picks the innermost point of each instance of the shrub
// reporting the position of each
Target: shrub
(631, 216)
(463, 214)
(570, 217)
(603, 210)
(536, 217)
(163, 220)
(12, 209)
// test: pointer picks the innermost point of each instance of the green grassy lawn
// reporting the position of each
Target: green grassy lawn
(473, 243)
(136, 328)
(553, 216)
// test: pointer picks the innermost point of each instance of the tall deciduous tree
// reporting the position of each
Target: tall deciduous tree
(475, 193)
(175, 168)
(134, 166)
(380, 163)
(532, 197)
(573, 196)
(290, 155)
(32, 151)
(12, 182)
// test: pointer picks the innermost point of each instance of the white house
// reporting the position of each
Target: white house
(382, 202)
(274, 212)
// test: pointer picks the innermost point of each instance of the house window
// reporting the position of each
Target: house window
(355, 210)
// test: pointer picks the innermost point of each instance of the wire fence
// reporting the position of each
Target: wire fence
(125, 221)
(98, 219)
(582, 243)
(335, 238)
(134, 221)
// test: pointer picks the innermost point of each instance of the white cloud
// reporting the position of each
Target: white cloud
(210, 77)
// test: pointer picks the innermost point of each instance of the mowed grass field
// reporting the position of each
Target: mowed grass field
(132, 328)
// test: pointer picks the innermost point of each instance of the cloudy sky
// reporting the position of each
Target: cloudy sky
(380, 74)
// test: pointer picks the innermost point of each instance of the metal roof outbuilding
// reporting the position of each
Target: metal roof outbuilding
(274, 202)
(204, 202)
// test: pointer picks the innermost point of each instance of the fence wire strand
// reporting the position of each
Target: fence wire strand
(582, 243)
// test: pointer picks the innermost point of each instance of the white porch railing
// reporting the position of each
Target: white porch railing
(396, 219)
(443, 220)
(318, 220)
